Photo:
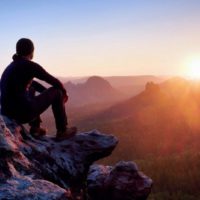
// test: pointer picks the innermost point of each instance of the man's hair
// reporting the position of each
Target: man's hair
(24, 47)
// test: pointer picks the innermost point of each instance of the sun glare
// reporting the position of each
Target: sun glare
(194, 68)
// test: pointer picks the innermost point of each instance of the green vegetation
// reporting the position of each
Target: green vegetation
(175, 177)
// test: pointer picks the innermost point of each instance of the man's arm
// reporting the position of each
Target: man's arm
(37, 86)
(40, 73)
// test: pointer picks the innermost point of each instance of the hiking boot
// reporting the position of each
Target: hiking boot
(38, 132)
(68, 133)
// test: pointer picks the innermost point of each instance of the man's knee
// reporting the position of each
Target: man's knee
(57, 92)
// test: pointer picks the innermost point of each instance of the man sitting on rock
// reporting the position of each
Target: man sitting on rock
(18, 100)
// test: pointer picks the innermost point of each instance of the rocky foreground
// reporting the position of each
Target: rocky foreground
(49, 170)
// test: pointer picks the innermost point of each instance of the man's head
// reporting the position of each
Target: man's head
(25, 48)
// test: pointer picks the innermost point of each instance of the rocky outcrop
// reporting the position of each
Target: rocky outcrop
(25, 187)
(48, 169)
(121, 182)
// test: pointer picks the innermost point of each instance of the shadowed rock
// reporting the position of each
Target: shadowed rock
(122, 182)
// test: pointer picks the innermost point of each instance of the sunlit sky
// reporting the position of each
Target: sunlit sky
(104, 37)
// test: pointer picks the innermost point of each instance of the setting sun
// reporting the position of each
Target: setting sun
(194, 68)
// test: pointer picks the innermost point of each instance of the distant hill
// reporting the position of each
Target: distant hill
(176, 86)
(133, 85)
(118, 81)
(128, 85)
(95, 90)
(155, 122)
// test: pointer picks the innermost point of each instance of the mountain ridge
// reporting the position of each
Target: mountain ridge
(154, 118)
(94, 90)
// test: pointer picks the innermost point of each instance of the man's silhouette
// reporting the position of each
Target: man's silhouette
(18, 100)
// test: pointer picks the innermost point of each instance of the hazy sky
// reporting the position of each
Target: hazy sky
(103, 37)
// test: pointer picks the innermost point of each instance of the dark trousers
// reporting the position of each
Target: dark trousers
(38, 104)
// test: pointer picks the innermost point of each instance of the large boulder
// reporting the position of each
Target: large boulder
(120, 182)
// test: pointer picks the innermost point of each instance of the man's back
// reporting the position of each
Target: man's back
(14, 82)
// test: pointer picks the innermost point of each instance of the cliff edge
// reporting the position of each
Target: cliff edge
(49, 170)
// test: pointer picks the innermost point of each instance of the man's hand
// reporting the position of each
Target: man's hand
(65, 98)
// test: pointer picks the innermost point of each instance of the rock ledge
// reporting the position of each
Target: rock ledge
(46, 169)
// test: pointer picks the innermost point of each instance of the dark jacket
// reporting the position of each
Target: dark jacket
(16, 80)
